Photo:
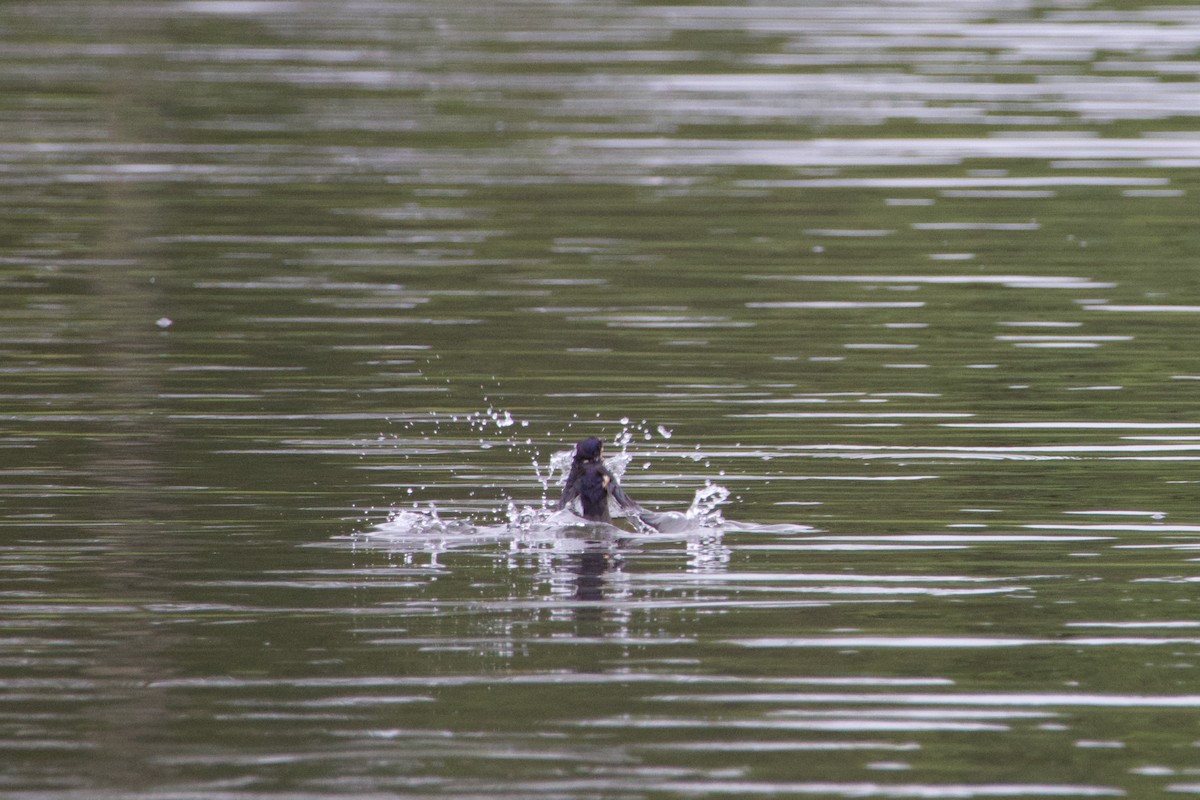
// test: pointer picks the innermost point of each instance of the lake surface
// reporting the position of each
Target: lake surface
(301, 304)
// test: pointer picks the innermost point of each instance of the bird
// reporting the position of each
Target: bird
(592, 483)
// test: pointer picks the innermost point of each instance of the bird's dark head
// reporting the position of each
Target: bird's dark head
(590, 449)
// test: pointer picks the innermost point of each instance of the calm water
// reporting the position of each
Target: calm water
(300, 300)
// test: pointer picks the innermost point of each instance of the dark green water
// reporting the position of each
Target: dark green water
(298, 300)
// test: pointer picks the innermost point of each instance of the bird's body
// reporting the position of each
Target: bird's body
(592, 483)
(594, 480)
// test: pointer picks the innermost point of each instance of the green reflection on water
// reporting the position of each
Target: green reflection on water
(920, 280)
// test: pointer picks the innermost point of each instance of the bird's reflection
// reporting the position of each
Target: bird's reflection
(590, 573)
(589, 568)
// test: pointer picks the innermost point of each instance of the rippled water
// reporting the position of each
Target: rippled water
(885, 308)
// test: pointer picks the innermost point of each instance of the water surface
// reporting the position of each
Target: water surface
(299, 301)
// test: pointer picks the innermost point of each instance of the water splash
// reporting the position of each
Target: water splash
(703, 514)
(530, 525)
(423, 523)
(523, 524)
(706, 506)
(519, 523)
